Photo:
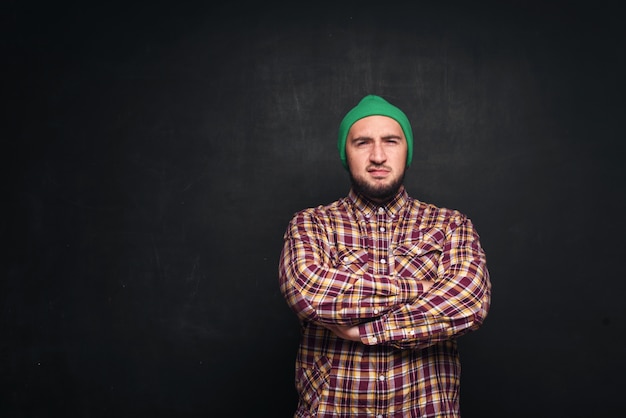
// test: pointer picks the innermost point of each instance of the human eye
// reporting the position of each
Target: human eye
(360, 142)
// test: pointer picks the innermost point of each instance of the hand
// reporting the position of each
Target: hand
(346, 332)
(426, 284)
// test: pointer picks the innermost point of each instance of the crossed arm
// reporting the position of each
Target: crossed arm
(377, 309)
(351, 332)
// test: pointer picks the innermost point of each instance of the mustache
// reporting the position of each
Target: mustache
(372, 167)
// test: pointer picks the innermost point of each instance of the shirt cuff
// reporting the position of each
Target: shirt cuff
(371, 333)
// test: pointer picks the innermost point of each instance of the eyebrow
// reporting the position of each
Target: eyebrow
(369, 138)
(392, 136)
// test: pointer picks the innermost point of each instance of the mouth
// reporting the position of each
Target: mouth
(378, 172)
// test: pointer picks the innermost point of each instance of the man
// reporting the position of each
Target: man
(382, 283)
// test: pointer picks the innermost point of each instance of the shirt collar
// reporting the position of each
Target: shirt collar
(368, 208)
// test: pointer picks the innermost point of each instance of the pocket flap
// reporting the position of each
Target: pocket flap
(347, 256)
(416, 248)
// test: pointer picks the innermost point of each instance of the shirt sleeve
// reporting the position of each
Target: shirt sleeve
(318, 291)
(457, 303)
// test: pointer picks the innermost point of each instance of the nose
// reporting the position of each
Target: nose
(378, 156)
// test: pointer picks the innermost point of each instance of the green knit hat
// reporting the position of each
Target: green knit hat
(369, 106)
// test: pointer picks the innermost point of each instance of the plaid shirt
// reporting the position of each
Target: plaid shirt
(352, 262)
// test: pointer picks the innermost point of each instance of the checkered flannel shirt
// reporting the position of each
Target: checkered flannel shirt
(355, 263)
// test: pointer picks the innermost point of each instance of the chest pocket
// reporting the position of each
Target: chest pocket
(353, 260)
(419, 260)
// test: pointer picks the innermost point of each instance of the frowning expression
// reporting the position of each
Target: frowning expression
(376, 152)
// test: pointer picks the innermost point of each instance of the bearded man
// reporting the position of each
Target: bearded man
(382, 283)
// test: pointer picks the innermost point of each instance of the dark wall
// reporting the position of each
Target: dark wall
(154, 153)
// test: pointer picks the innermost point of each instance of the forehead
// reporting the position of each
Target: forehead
(376, 124)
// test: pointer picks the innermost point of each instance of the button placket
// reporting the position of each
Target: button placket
(382, 243)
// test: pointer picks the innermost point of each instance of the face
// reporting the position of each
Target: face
(376, 152)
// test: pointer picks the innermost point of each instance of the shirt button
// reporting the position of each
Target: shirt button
(381, 377)
(346, 259)
(376, 311)
(381, 210)
(383, 261)
(381, 229)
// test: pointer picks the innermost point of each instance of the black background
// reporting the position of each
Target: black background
(154, 153)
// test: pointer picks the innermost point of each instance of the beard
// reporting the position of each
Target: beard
(377, 192)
